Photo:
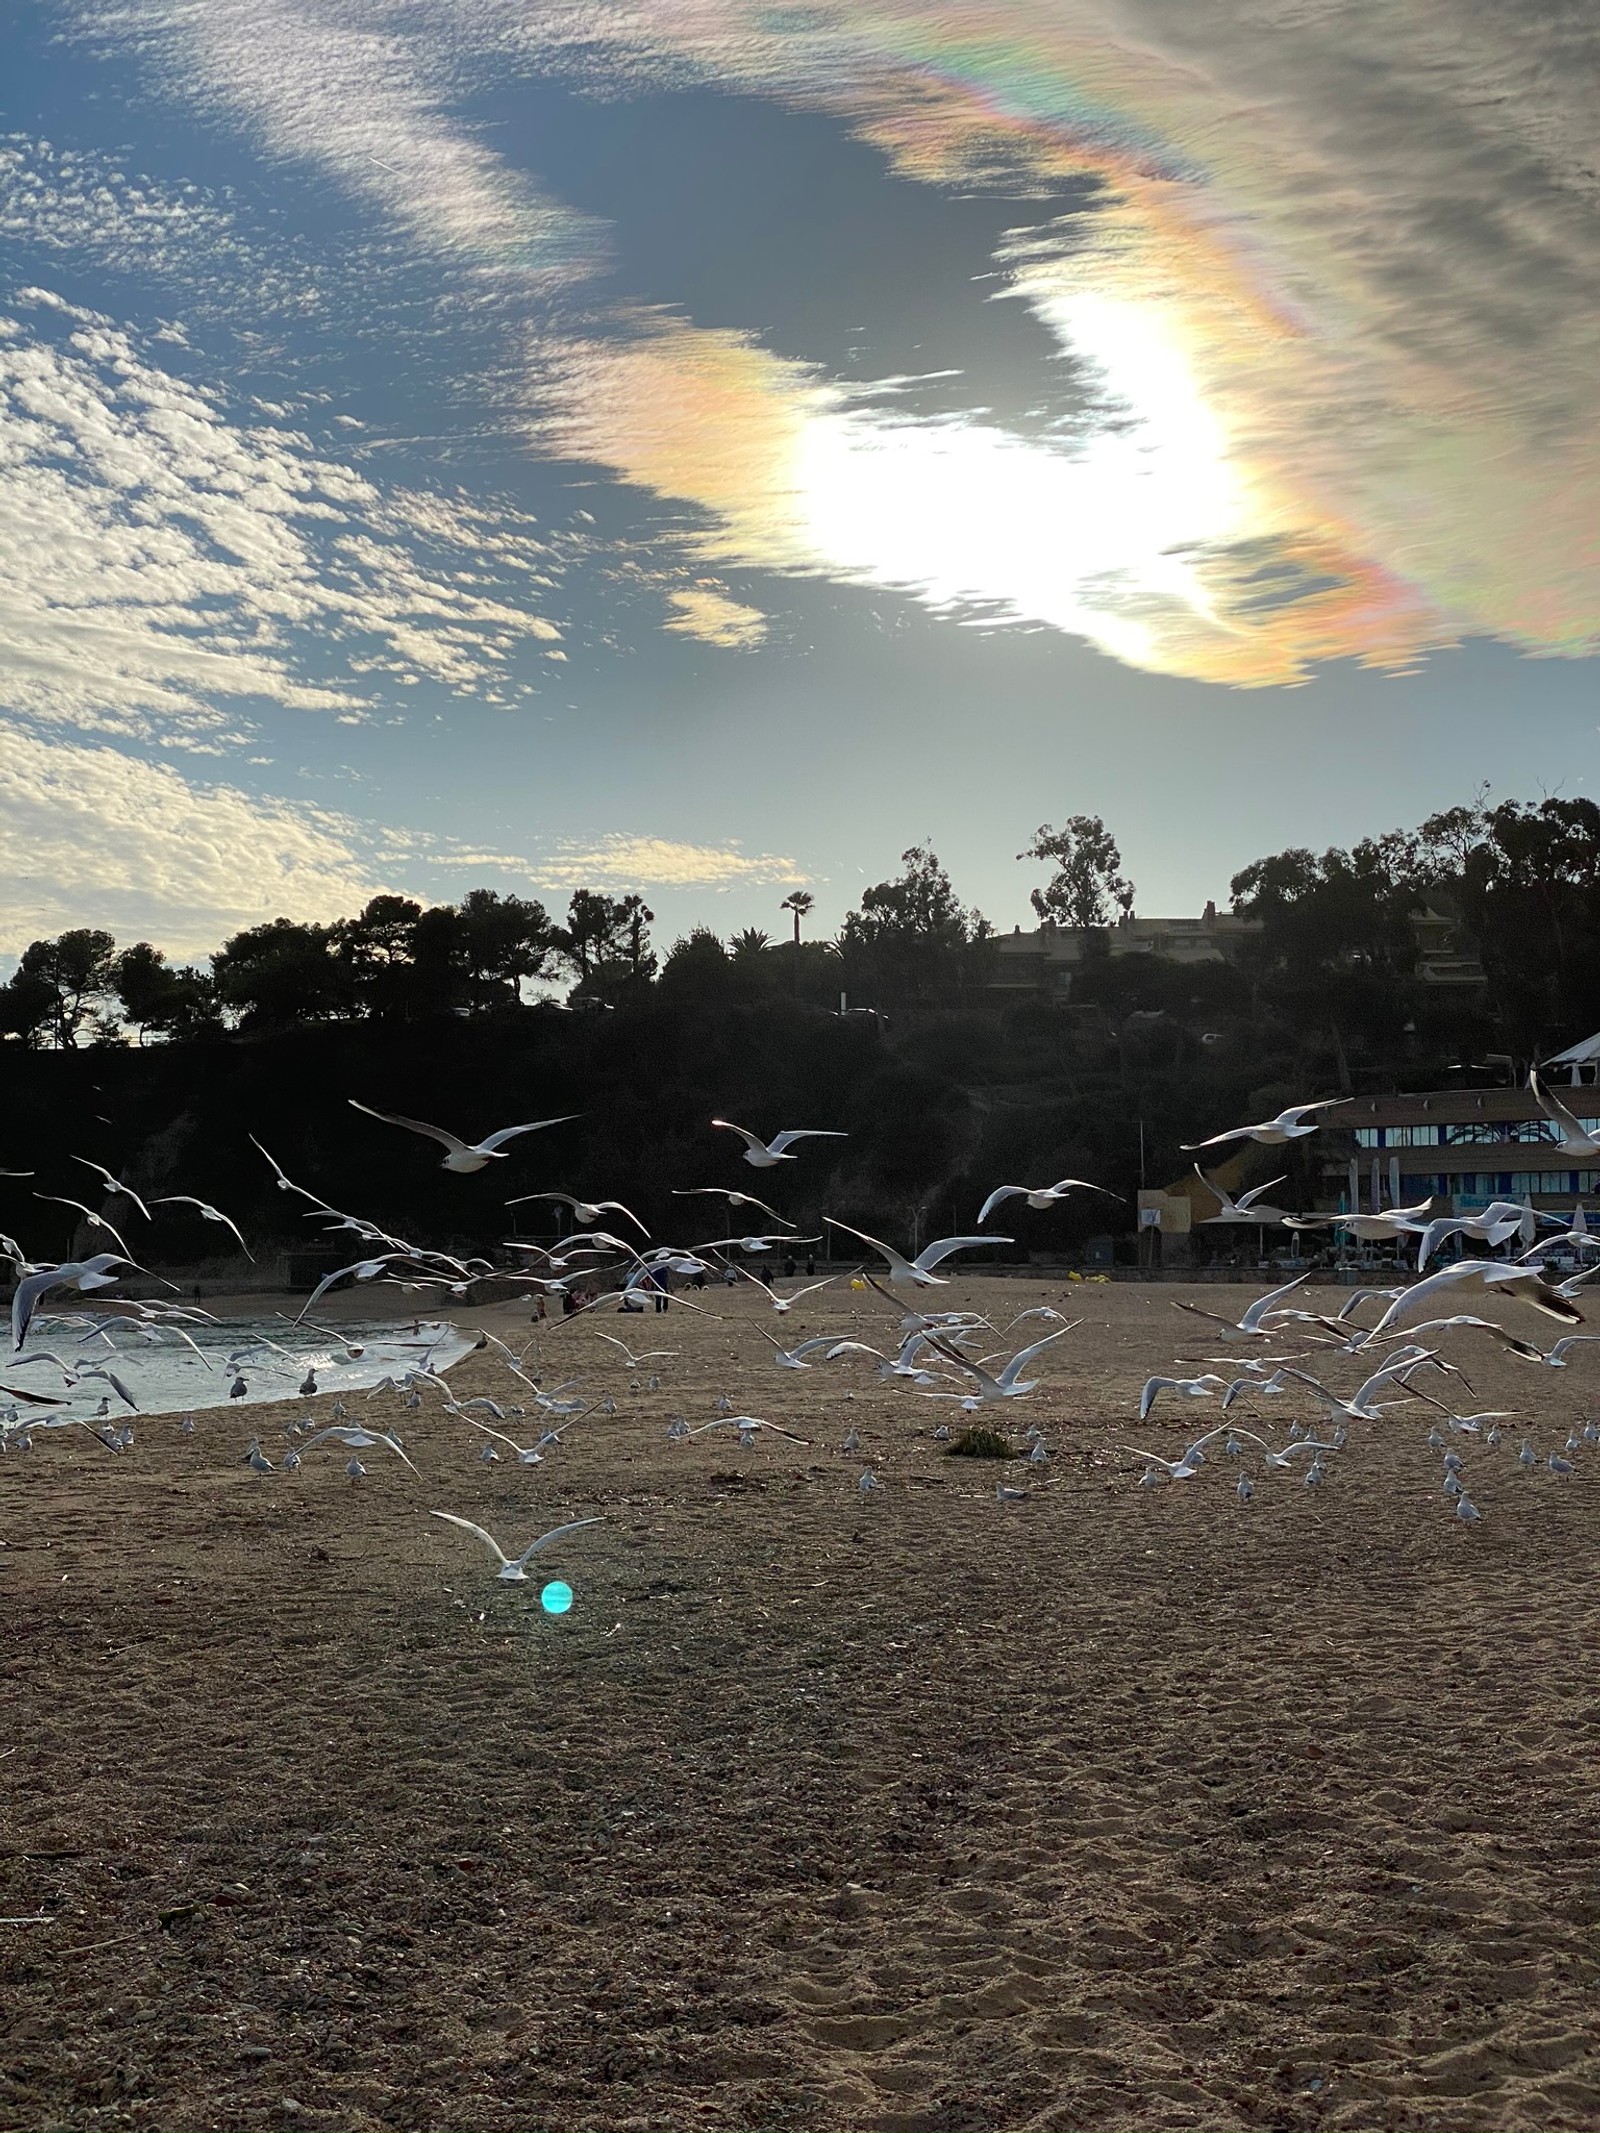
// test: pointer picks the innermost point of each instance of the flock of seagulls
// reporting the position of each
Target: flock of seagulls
(1282, 1350)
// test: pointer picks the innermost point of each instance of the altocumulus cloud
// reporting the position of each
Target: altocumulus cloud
(89, 836)
(625, 862)
(159, 556)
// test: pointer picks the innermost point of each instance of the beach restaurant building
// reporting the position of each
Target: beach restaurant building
(1463, 1147)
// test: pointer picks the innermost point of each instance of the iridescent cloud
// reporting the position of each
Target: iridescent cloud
(1336, 293)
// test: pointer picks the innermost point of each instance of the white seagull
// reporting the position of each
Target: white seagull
(588, 1212)
(1201, 1388)
(795, 1358)
(354, 1438)
(463, 1156)
(1526, 1282)
(781, 1304)
(94, 1221)
(918, 1270)
(1576, 1139)
(514, 1571)
(766, 1155)
(112, 1184)
(79, 1274)
(1289, 1125)
(1010, 1384)
(635, 1362)
(734, 1199)
(207, 1213)
(1249, 1327)
(1244, 1208)
(1040, 1196)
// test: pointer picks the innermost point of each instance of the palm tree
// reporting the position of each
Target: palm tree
(799, 902)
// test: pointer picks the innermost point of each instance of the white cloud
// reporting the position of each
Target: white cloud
(620, 861)
(91, 837)
(156, 556)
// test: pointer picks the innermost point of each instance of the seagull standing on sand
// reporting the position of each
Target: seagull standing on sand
(462, 1156)
(1290, 1125)
(766, 1155)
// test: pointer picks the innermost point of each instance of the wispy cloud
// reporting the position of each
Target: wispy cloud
(160, 554)
(630, 862)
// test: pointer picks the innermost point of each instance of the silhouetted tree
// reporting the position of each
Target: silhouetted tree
(606, 944)
(154, 996)
(27, 1004)
(502, 941)
(912, 938)
(281, 973)
(1087, 887)
(72, 978)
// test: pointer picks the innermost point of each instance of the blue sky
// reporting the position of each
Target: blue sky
(707, 449)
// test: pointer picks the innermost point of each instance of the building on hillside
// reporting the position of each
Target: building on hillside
(1460, 1148)
(1047, 958)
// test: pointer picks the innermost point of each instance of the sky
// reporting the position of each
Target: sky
(703, 448)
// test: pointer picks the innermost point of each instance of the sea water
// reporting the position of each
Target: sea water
(166, 1376)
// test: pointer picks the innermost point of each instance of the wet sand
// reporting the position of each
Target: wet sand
(1113, 1807)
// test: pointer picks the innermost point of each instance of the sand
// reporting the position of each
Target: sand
(1115, 1807)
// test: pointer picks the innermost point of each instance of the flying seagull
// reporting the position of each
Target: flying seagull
(1041, 1195)
(918, 1270)
(461, 1156)
(734, 1199)
(514, 1570)
(94, 1221)
(1290, 1125)
(1575, 1138)
(588, 1212)
(766, 1155)
(207, 1213)
(114, 1184)
(1249, 1327)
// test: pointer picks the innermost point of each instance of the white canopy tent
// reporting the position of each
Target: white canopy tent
(1576, 1057)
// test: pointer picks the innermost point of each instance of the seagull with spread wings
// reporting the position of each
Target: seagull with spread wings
(94, 1221)
(207, 1213)
(588, 1212)
(1290, 1125)
(766, 1155)
(919, 1270)
(1249, 1326)
(1041, 1196)
(1575, 1137)
(734, 1199)
(461, 1156)
(514, 1569)
(113, 1184)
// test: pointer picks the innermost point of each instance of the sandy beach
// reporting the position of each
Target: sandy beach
(1112, 1807)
